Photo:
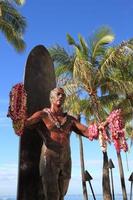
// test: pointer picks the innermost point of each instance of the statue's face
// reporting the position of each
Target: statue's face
(57, 96)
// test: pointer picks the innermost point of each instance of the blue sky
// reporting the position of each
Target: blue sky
(48, 22)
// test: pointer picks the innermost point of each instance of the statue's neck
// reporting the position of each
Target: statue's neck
(57, 110)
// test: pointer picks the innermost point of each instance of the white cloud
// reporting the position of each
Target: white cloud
(8, 179)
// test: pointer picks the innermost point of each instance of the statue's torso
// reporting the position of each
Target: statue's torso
(57, 139)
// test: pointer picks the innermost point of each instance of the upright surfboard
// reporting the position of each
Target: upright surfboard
(39, 80)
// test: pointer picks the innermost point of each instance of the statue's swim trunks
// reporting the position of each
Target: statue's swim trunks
(55, 169)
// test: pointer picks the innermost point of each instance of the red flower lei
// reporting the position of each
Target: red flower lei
(17, 107)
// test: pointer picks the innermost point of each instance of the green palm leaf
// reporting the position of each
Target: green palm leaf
(116, 56)
(61, 57)
(19, 2)
(99, 40)
(12, 24)
(71, 41)
(84, 48)
(82, 73)
(61, 70)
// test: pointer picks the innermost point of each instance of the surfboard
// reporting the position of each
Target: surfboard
(39, 80)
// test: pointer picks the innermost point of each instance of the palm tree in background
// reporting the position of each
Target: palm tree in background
(12, 23)
(95, 70)
(121, 74)
(86, 70)
(87, 76)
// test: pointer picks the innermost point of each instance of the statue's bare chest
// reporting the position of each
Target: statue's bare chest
(57, 123)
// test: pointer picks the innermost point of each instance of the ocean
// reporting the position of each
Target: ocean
(98, 197)
(68, 197)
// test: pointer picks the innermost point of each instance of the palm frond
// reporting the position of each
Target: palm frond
(13, 37)
(99, 40)
(84, 47)
(86, 108)
(129, 130)
(19, 2)
(72, 104)
(106, 100)
(128, 116)
(12, 24)
(71, 87)
(121, 79)
(110, 59)
(115, 56)
(61, 70)
(11, 16)
(61, 57)
(71, 41)
(82, 73)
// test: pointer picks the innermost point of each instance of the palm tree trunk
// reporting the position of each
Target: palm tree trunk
(113, 195)
(82, 169)
(85, 195)
(124, 193)
(105, 178)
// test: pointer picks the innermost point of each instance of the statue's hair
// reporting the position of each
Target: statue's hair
(52, 93)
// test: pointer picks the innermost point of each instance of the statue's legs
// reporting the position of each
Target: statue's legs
(63, 187)
(55, 178)
(53, 190)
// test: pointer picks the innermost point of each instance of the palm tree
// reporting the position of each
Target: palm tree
(88, 67)
(12, 24)
(87, 75)
(122, 76)
(84, 69)
(127, 111)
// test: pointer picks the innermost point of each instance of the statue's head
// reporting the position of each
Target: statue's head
(57, 93)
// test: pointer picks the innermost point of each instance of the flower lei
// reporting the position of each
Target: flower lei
(116, 127)
(92, 131)
(17, 107)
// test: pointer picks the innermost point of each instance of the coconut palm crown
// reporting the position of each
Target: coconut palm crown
(12, 24)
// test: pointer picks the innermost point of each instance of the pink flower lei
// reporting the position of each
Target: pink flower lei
(116, 128)
(17, 107)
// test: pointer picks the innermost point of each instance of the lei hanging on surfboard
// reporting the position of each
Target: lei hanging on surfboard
(17, 107)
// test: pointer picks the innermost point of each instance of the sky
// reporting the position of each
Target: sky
(48, 22)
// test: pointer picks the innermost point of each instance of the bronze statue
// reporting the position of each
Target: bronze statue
(55, 160)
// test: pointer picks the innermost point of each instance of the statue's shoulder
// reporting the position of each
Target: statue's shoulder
(46, 111)
(71, 117)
